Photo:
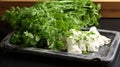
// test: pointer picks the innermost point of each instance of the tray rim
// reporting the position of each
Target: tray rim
(110, 56)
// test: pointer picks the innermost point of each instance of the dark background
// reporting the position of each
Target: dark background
(15, 59)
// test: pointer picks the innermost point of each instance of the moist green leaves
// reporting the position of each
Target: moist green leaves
(49, 22)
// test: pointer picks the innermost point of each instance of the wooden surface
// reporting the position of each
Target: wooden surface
(21, 0)
(45, 0)
(106, 0)
(110, 8)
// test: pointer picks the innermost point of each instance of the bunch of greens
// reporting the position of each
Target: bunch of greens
(47, 24)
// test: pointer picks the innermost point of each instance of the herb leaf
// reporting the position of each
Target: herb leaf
(50, 21)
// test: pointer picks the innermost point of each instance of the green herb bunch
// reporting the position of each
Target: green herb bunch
(47, 24)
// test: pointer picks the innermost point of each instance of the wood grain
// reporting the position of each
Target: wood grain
(110, 8)
(45, 0)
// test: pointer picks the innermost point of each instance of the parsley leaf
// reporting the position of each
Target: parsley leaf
(50, 22)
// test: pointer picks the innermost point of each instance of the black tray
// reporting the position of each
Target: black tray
(105, 54)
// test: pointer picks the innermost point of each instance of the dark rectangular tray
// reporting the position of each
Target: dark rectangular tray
(106, 53)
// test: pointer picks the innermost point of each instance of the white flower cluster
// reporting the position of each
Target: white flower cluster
(82, 41)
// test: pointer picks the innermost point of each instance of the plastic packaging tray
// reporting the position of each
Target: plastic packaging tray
(106, 53)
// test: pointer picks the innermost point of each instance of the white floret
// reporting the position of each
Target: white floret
(79, 41)
(74, 49)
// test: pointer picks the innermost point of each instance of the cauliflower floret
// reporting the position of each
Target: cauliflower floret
(85, 41)
(93, 46)
(72, 47)
(82, 45)
(94, 29)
